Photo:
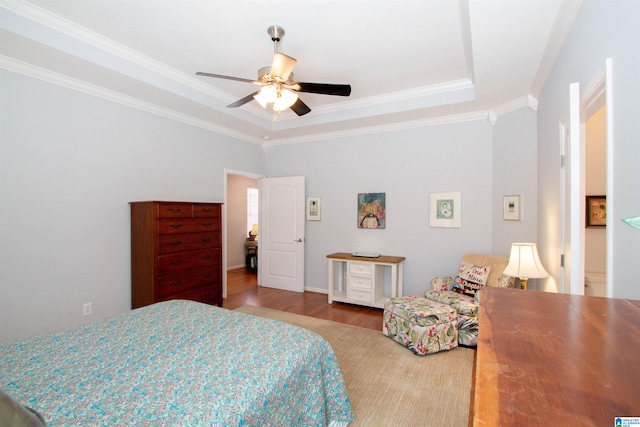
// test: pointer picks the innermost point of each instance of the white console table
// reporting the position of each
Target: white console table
(364, 278)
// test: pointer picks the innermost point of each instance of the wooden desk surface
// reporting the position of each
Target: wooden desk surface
(382, 259)
(555, 359)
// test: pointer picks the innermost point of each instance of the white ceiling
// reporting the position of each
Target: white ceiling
(409, 63)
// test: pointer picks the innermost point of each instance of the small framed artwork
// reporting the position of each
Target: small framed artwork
(314, 208)
(445, 210)
(511, 208)
(372, 210)
(596, 211)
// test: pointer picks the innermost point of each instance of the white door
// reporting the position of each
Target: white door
(574, 248)
(281, 241)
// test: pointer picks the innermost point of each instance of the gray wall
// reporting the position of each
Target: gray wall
(514, 174)
(69, 165)
(409, 165)
(602, 29)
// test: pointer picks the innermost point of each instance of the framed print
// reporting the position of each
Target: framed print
(596, 211)
(445, 210)
(314, 208)
(511, 209)
(372, 210)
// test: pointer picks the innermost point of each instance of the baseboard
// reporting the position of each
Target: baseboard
(236, 267)
(316, 290)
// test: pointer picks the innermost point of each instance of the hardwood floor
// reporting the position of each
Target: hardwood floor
(243, 289)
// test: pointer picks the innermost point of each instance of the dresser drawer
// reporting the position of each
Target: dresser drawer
(359, 295)
(175, 210)
(187, 225)
(360, 267)
(172, 285)
(362, 282)
(208, 295)
(170, 243)
(183, 261)
(206, 211)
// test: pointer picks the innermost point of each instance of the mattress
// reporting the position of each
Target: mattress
(178, 363)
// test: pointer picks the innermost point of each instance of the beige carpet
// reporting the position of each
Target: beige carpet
(387, 384)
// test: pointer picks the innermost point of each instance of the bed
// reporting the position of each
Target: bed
(178, 363)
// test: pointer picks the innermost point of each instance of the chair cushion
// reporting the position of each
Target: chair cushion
(462, 304)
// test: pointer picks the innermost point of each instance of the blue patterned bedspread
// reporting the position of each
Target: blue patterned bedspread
(178, 363)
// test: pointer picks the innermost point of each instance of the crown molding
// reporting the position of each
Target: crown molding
(435, 121)
(20, 67)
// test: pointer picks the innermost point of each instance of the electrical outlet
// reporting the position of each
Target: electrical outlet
(87, 309)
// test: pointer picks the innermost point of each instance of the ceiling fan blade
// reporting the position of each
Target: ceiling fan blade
(220, 76)
(282, 66)
(325, 88)
(243, 101)
(300, 108)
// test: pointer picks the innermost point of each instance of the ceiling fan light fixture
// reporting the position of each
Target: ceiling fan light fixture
(267, 95)
(285, 100)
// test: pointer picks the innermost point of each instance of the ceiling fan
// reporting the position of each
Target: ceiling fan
(278, 87)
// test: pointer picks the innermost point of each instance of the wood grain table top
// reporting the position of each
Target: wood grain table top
(556, 359)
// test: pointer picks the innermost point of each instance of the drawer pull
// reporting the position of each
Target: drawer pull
(206, 210)
(206, 239)
(207, 224)
(207, 275)
(207, 256)
(175, 226)
(175, 210)
(175, 242)
(176, 262)
(176, 283)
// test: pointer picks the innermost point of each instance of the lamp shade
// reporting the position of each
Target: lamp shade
(524, 262)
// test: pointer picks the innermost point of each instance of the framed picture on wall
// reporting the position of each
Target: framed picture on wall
(596, 211)
(445, 210)
(314, 206)
(372, 210)
(511, 208)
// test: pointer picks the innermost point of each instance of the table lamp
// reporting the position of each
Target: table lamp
(524, 263)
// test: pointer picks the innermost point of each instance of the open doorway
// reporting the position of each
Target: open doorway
(240, 224)
(595, 239)
(594, 102)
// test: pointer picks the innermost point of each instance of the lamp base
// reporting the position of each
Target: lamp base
(523, 283)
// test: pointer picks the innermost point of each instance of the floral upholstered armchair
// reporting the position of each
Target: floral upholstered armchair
(459, 291)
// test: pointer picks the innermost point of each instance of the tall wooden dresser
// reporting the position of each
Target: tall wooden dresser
(176, 252)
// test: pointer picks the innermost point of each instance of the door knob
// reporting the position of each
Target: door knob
(299, 240)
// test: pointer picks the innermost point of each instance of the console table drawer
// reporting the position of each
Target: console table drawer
(361, 282)
(361, 268)
(358, 295)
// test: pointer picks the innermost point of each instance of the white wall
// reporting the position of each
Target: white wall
(237, 218)
(602, 29)
(69, 165)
